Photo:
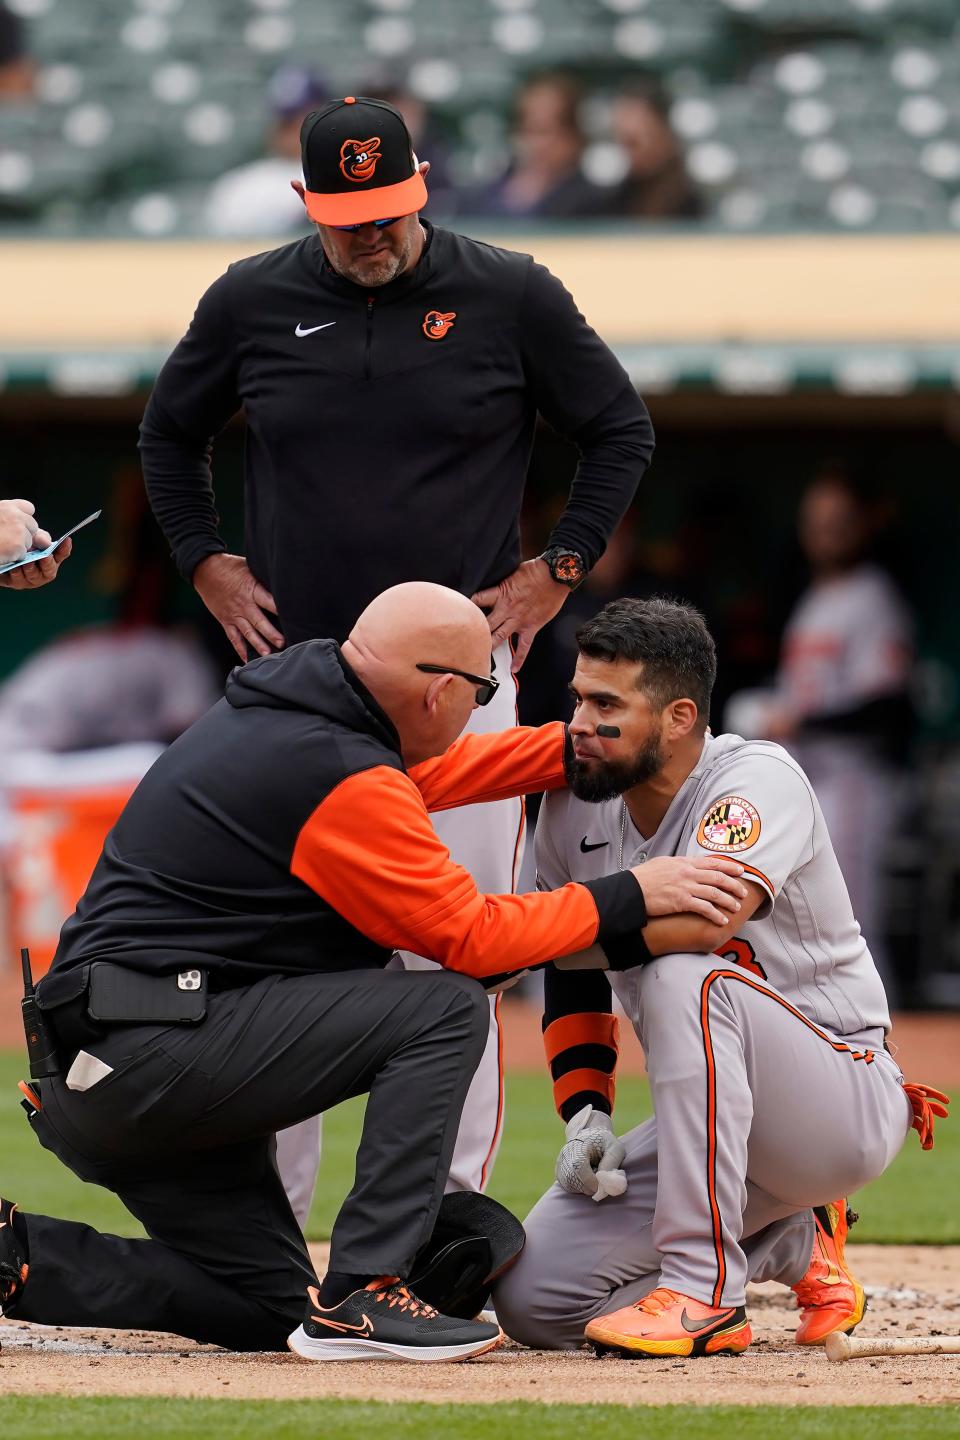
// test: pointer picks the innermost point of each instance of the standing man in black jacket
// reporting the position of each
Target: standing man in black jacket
(391, 374)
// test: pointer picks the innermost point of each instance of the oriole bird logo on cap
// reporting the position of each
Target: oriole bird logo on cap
(436, 323)
(358, 158)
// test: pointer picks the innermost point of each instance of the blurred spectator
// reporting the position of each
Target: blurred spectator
(656, 186)
(428, 141)
(80, 723)
(841, 702)
(257, 198)
(123, 685)
(17, 70)
(545, 178)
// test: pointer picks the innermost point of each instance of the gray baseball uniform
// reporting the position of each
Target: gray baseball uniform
(771, 1086)
(848, 645)
(849, 642)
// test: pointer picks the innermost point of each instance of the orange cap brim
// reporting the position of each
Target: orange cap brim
(389, 201)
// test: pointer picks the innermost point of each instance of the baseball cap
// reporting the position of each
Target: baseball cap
(358, 163)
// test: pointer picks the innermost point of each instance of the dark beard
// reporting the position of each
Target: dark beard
(611, 778)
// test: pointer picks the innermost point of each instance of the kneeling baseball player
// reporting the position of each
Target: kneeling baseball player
(773, 1090)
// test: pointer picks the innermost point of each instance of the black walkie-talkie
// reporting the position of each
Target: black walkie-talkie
(41, 1046)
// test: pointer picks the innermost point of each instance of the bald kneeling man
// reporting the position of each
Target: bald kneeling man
(223, 977)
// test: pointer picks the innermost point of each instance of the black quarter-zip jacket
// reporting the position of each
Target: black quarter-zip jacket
(384, 444)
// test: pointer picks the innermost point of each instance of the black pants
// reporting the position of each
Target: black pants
(183, 1132)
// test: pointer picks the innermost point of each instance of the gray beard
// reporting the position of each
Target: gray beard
(372, 279)
(613, 777)
(388, 270)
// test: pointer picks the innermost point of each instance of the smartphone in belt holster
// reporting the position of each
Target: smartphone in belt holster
(106, 994)
(119, 995)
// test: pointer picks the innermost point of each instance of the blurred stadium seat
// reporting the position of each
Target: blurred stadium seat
(825, 113)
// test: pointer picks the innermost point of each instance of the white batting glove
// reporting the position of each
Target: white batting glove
(590, 1161)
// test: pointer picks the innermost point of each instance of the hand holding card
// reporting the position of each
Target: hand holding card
(40, 566)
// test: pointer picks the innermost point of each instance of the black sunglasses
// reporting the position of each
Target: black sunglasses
(487, 687)
(380, 224)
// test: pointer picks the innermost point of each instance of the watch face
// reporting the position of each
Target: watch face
(568, 569)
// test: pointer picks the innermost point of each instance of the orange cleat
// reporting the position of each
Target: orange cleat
(831, 1300)
(665, 1323)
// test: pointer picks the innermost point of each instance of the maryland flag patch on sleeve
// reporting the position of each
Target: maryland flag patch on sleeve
(730, 824)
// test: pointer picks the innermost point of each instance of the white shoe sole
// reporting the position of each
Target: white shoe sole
(309, 1349)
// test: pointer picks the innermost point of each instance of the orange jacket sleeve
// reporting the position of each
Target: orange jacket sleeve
(477, 768)
(369, 849)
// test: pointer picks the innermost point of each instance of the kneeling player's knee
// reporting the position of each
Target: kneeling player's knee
(473, 1001)
(675, 977)
(462, 1001)
(540, 1313)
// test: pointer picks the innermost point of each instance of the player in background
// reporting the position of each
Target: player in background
(391, 373)
(773, 1090)
(840, 703)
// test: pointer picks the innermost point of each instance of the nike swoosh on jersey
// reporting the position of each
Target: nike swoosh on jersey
(694, 1325)
(585, 848)
(313, 328)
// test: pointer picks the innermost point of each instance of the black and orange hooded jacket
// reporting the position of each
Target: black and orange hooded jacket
(282, 834)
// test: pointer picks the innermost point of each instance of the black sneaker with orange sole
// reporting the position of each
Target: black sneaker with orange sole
(13, 1265)
(386, 1321)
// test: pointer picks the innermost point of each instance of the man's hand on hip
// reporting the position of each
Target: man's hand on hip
(692, 884)
(521, 605)
(232, 593)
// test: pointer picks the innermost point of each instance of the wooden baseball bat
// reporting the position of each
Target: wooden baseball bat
(844, 1347)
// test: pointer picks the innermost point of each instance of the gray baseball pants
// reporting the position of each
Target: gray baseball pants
(759, 1115)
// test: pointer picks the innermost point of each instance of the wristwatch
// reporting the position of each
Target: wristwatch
(566, 566)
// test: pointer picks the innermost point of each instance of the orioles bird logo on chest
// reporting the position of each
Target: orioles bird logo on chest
(358, 158)
(436, 323)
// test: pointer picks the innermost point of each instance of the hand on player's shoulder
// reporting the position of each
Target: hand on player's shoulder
(692, 884)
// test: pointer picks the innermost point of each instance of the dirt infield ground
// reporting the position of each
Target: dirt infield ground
(913, 1290)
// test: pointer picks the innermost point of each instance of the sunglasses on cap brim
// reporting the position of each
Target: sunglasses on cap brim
(380, 225)
(487, 687)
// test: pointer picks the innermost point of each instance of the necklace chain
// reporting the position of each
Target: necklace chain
(623, 830)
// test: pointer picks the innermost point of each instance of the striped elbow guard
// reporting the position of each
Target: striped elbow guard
(582, 1054)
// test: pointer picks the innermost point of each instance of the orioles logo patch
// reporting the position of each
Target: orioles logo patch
(436, 323)
(358, 158)
(730, 824)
